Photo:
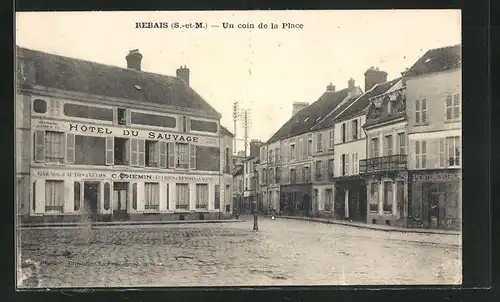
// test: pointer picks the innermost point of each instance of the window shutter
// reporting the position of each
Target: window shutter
(163, 154)
(110, 152)
(188, 124)
(141, 155)
(192, 156)
(70, 148)
(133, 151)
(359, 129)
(39, 146)
(171, 155)
(324, 168)
(347, 165)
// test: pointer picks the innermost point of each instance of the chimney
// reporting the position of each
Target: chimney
(330, 87)
(373, 76)
(134, 58)
(350, 85)
(183, 73)
(297, 106)
(255, 148)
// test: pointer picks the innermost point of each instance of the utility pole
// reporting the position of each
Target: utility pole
(246, 127)
(235, 119)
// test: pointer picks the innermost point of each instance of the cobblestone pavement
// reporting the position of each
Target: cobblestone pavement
(282, 252)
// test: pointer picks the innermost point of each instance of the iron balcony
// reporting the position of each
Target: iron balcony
(396, 162)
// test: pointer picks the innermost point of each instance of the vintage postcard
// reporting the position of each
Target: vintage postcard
(238, 148)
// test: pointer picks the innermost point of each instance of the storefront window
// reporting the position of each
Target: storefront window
(387, 205)
(134, 197)
(374, 197)
(76, 190)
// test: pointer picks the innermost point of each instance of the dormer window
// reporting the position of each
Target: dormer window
(40, 106)
(122, 116)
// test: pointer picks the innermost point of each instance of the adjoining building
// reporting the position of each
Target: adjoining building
(385, 168)
(116, 143)
(434, 102)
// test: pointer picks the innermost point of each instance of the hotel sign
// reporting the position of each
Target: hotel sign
(117, 176)
(94, 130)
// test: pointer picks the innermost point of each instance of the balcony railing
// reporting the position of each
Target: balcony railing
(385, 163)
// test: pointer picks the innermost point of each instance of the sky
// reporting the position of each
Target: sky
(264, 70)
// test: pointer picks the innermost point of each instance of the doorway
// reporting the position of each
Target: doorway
(436, 206)
(120, 201)
(91, 199)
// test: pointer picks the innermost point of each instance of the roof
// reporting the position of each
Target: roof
(358, 105)
(436, 60)
(330, 119)
(72, 74)
(308, 117)
(224, 131)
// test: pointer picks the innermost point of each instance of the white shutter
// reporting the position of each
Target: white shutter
(141, 152)
(192, 156)
(133, 143)
(39, 137)
(360, 131)
(163, 154)
(110, 152)
(39, 195)
(140, 196)
(157, 155)
(70, 148)
(171, 155)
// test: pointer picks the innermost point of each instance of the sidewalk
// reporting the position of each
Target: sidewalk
(119, 223)
(373, 226)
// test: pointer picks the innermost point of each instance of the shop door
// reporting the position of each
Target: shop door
(120, 201)
(436, 206)
(91, 199)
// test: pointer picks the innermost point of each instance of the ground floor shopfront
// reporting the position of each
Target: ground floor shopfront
(60, 194)
(350, 198)
(296, 200)
(435, 198)
(270, 199)
(387, 195)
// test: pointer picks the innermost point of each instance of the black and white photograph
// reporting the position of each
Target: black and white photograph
(238, 148)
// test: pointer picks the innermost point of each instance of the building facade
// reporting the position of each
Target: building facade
(251, 193)
(385, 168)
(434, 99)
(110, 143)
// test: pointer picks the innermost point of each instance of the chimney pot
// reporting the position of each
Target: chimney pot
(374, 76)
(134, 59)
(330, 87)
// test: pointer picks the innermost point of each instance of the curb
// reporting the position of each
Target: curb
(124, 223)
(367, 226)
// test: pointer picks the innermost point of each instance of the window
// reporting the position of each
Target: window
(182, 196)
(227, 155)
(217, 197)
(167, 195)
(89, 150)
(453, 106)
(388, 144)
(152, 196)
(182, 160)
(277, 174)
(374, 197)
(375, 147)
(343, 164)
(292, 151)
(246, 184)
(276, 155)
(40, 106)
(54, 147)
(307, 175)
(77, 194)
(293, 176)
(355, 163)
(420, 154)
(330, 169)
(328, 199)
(319, 175)
(122, 116)
(388, 198)
(83, 111)
(121, 155)
(201, 196)
(319, 142)
(134, 196)
(54, 195)
(107, 195)
(453, 154)
(205, 158)
(270, 156)
(204, 126)
(309, 147)
(344, 134)
(442, 152)
(354, 129)
(330, 140)
(152, 153)
(421, 111)
(34, 196)
(401, 143)
(152, 120)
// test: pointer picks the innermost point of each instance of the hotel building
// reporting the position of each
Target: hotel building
(110, 143)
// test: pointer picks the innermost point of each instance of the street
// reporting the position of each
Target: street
(282, 252)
